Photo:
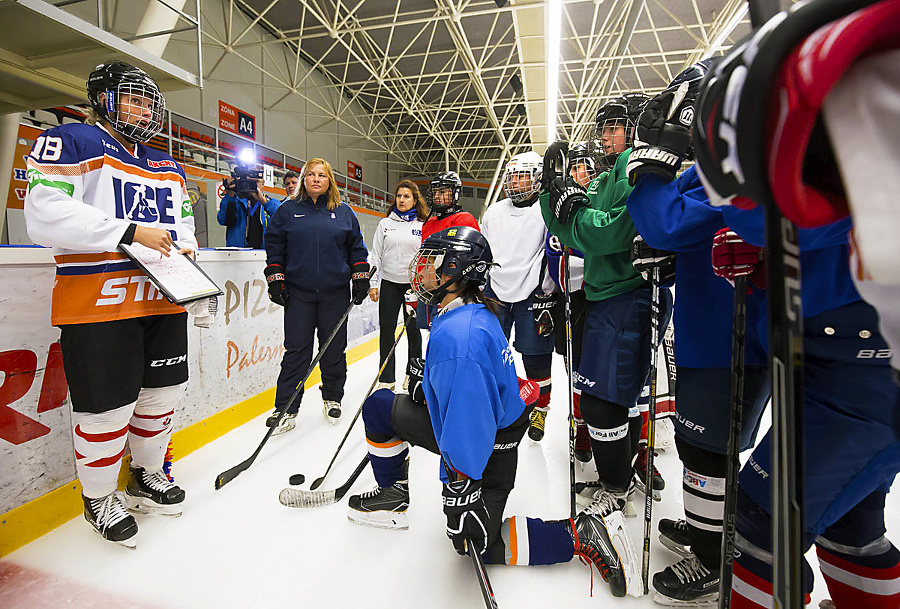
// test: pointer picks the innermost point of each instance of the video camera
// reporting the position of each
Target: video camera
(245, 180)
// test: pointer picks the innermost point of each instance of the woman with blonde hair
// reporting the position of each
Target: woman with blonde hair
(396, 241)
(314, 250)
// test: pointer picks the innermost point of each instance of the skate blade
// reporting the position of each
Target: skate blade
(396, 521)
(142, 505)
(618, 535)
(657, 495)
(674, 547)
(707, 600)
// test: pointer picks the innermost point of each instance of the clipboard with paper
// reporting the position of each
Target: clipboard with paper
(177, 276)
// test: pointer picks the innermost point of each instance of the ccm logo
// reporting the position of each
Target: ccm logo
(462, 501)
(159, 363)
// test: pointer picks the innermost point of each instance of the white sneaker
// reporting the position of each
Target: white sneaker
(332, 411)
(384, 386)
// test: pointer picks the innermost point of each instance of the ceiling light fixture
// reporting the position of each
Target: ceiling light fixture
(554, 27)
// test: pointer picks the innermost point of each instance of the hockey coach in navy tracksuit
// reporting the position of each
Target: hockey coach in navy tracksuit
(314, 249)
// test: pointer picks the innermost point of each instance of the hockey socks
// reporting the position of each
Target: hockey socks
(99, 440)
(387, 452)
(151, 425)
(531, 541)
(703, 488)
(608, 426)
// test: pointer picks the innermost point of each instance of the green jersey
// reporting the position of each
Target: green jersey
(603, 231)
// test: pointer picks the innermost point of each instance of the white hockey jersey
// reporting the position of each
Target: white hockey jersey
(84, 190)
(516, 236)
(395, 243)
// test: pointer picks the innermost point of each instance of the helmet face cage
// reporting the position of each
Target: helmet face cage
(523, 178)
(444, 191)
(125, 110)
(425, 275)
(581, 165)
(620, 113)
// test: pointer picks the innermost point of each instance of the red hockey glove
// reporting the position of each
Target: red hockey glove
(733, 257)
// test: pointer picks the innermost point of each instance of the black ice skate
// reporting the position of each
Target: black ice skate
(640, 473)
(288, 422)
(588, 492)
(382, 507)
(332, 411)
(594, 546)
(536, 426)
(152, 493)
(675, 535)
(582, 442)
(110, 518)
(687, 583)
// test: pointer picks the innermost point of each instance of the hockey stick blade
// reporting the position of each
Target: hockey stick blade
(298, 498)
(230, 474)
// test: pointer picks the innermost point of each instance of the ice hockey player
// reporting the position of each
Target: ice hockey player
(443, 199)
(465, 405)
(582, 168)
(675, 215)
(849, 402)
(515, 230)
(615, 358)
(91, 188)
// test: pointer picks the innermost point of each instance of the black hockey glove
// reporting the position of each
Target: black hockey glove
(566, 197)
(662, 137)
(645, 258)
(554, 165)
(467, 517)
(277, 286)
(415, 369)
(542, 310)
(360, 279)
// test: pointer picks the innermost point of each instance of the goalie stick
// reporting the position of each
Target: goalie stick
(294, 497)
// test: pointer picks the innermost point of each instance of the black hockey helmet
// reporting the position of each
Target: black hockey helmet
(460, 252)
(445, 180)
(623, 111)
(121, 82)
(580, 154)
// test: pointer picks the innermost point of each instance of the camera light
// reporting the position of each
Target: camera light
(247, 156)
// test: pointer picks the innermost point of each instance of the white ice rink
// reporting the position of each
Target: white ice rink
(239, 548)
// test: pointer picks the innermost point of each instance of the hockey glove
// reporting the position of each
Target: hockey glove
(566, 197)
(415, 369)
(645, 258)
(554, 164)
(360, 279)
(733, 257)
(203, 311)
(467, 517)
(542, 312)
(277, 286)
(410, 300)
(662, 137)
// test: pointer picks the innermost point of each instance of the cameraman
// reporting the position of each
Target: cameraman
(245, 215)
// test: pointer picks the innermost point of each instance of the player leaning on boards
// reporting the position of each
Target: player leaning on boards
(92, 187)
(466, 406)
(515, 229)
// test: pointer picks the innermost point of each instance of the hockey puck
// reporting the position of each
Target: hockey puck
(297, 479)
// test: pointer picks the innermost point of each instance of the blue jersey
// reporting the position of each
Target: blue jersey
(316, 246)
(470, 386)
(677, 216)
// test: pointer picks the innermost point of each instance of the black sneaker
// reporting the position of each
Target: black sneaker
(153, 493)
(110, 518)
(640, 474)
(593, 546)
(675, 535)
(382, 507)
(687, 583)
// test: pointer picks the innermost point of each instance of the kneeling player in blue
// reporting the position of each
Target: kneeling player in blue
(465, 404)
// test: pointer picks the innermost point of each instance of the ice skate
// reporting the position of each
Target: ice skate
(287, 423)
(382, 507)
(110, 518)
(640, 473)
(687, 583)
(665, 434)
(332, 410)
(582, 442)
(675, 535)
(383, 385)
(536, 427)
(593, 546)
(153, 493)
(588, 492)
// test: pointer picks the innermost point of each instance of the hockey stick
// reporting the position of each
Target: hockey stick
(295, 497)
(651, 427)
(230, 474)
(318, 481)
(726, 562)
(490, 601)
(569, 364)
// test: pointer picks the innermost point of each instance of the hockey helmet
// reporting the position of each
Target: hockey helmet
(460, 252)
(128, 89)
(522, 181)
(444, 204)
(580, 154)
(621, 111)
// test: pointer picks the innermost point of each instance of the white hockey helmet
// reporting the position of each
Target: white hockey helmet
(522, 181)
